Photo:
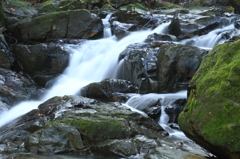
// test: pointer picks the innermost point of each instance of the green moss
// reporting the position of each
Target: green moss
(96, 126)
(50, 15)
(17, 4)
(47, 6)
(138, 6)
(166, 5)
(213, 107)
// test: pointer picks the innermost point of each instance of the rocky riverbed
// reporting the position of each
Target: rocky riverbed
(39, 39)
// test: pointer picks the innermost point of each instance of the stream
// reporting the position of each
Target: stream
(95, 60)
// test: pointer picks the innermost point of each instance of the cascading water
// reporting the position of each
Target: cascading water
(91, 61)
(94, 60)
(107, 29)
(211, 39)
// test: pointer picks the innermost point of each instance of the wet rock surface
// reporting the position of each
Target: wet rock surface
(74, 124)
(42, 61)
(79, 125)
(159, 67)
(109, 90)
(15, 88)
(213, 104)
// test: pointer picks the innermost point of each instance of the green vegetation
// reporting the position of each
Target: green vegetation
(97, 127)
(213, 106)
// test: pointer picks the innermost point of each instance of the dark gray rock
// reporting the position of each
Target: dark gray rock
(15, 87)
(73, 24)
(42, 61)
(74, 124)
(176, 65)
(158, 67)
(107, 89)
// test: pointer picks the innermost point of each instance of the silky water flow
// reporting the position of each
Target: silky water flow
(95, 60)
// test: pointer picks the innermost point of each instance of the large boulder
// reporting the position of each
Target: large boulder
(41, 59)
(196, 22)
(15, 12)
(236, 5)
(138, 65)
(74, 124)
(176, 65)
(63, 24)
(159, 67)
(211, 117)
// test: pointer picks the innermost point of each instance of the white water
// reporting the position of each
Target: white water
(107, 29)
(92, 61)
(141, 101)
(211, 39)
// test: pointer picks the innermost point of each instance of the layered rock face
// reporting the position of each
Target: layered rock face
(211, 117)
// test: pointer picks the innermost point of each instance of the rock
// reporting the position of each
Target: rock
(74, 124)
(237, 24)
(160, 37)
(15, 87)
(161, 152)
(174, 109)
(120, 30)
(136, 14)
(177, 64)
(146, 66)
(210, 117)
(63, 24)
(4, 60)
(139, 66)
(174, 27)
(107, 89)
(196, 23)
(42, 60)
(236, 5)
(107, 8)
(83, 24)
(15, 12)
(54, 5)
(63, 138)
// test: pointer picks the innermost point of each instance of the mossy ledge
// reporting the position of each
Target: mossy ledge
(212, 114)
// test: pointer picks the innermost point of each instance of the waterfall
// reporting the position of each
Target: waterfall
(140, 102)
(90, 61)
(211, 39)
(107, 29)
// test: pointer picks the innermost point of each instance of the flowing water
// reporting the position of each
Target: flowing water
(90, 61)
(95, 60)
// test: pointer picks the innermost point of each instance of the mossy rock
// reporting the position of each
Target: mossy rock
(13, 12)
(211, 117)
(64, 5)
(166, 5)
(107, 7)
(95, 129)
(48, 6)
(46, 26)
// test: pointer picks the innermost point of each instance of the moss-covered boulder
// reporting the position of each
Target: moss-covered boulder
(211, 117)
(64, 5)
(63, 24)
(14, 12)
